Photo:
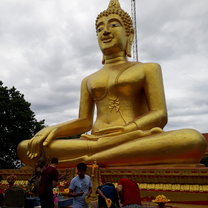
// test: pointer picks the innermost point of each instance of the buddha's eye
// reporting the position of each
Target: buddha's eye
(99, 29)
(115, 25)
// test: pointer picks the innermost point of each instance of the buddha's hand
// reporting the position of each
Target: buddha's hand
(42, 138)
(115, 130)
(132, 126)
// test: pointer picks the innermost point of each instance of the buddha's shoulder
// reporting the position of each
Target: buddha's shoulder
(91, 76)
(150, 66)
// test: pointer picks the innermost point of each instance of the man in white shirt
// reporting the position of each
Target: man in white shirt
(80, 187)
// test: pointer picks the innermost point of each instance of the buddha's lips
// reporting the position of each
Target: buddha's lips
(106, 40)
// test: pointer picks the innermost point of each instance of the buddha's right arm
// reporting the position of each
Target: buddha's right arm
(69, 128)
(80, 125)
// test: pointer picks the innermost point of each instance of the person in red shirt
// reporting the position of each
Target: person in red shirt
(49, 180)
(129, 193)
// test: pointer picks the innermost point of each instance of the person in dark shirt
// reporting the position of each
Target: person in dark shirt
(107, 191)
(34, 181)
(49, 180)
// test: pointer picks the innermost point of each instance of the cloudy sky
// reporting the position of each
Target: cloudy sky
(48, 46)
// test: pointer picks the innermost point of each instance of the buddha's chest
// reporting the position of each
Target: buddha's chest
(115, 83)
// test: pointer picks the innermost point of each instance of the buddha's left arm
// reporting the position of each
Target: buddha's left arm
(155, 98)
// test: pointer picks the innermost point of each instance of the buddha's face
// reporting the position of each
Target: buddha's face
(111, 33)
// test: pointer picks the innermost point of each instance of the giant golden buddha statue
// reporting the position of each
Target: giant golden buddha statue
(131, 111)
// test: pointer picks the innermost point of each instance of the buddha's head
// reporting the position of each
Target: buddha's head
(114, 30)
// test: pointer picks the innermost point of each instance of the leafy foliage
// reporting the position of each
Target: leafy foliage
(17, 123)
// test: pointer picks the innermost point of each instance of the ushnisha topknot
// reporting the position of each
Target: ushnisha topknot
(115, 8)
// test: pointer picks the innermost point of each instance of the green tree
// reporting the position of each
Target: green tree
(17, 123)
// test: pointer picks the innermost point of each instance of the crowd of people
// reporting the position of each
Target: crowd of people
(46, 178)
(126, 194)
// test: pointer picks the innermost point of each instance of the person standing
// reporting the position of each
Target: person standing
(80, 187)
(107, 191)
(49, 180)
(129, 193)
(34, 181)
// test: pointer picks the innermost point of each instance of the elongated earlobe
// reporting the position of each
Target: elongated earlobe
(129, 44)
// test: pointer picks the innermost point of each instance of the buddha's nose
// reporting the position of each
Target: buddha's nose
(106, 31)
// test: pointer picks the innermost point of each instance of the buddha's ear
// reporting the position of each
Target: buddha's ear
(129, 44)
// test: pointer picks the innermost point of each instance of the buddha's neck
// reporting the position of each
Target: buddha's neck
(115, 59)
